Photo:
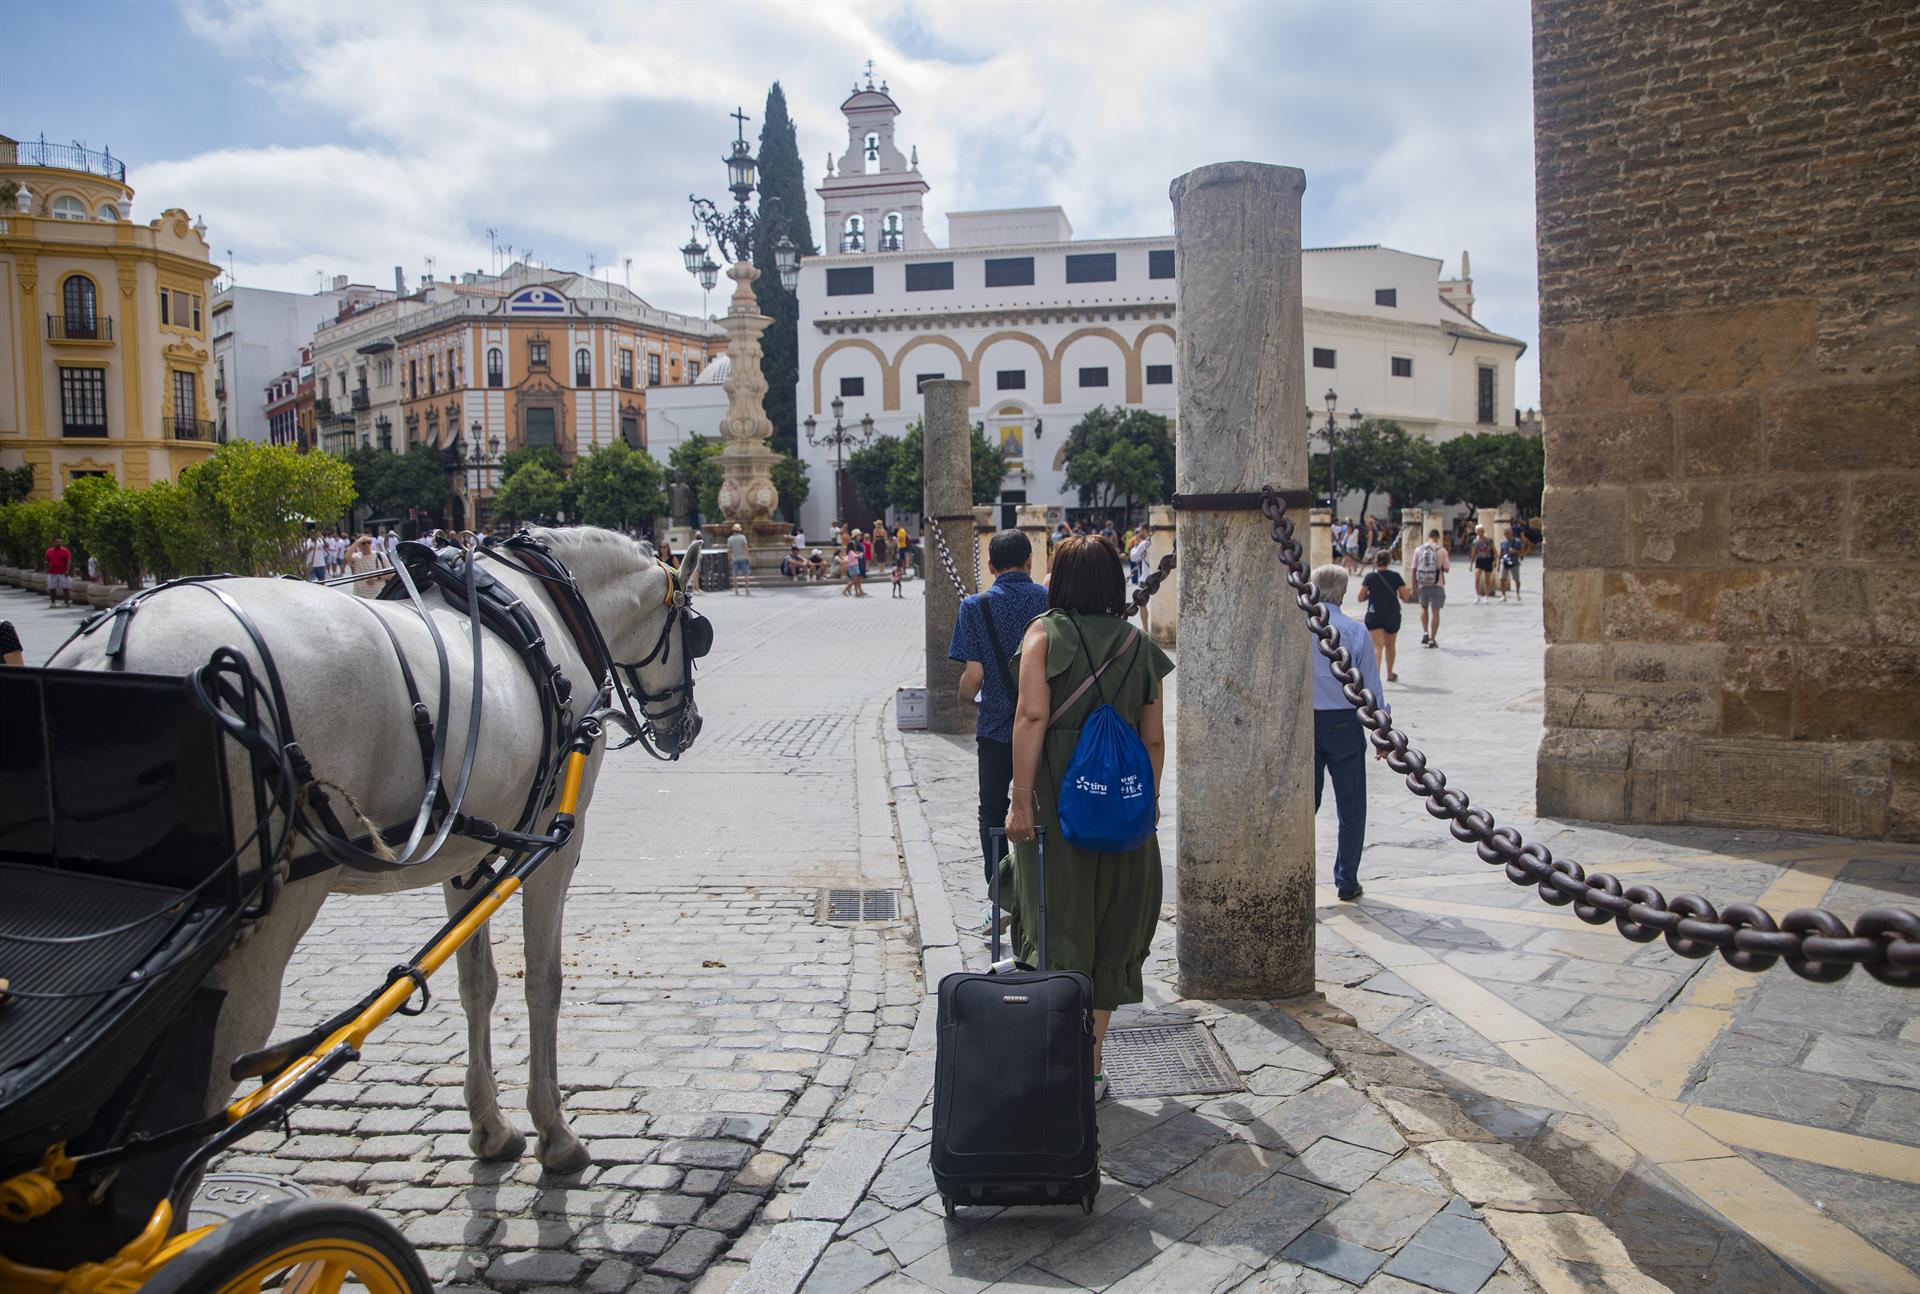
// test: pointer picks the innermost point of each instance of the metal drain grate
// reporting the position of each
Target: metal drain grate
(1167, 1060)
(860, 905)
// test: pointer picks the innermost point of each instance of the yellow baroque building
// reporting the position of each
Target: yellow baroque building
(103, 324)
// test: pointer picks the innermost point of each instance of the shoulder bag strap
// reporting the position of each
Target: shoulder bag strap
(993, 648)
(1133, 633)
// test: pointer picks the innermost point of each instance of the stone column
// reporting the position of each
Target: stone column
(1033, 524)
(747, 494)
(1245, 749)
(947, 471)
(1413, 533)
(1163, 622)
(1489, 519)
(985, 523)
(1319, 537)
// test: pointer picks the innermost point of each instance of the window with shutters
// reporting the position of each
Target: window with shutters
(1092, 267)
(1093, 377)
(496, 367)
(1402, 366)
(1485, 411)
(1010, 272)
(582, 368)
(653, 369)
(626, 369)
(856, 281)
(1010, 379)
(930, 276)
(1323, 357)
(539, 426)
(852, 386)
(1159, 375)
(1387, 297)
(1160, 264)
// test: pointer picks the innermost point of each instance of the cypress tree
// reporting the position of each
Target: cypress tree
(782, 177)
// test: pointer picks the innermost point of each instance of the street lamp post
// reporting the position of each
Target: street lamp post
(482, 458)
(747, 494)
(840, 437)
(1332, 431)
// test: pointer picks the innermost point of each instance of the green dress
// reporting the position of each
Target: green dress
(1101, 908)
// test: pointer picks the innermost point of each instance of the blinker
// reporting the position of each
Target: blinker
(696, 634)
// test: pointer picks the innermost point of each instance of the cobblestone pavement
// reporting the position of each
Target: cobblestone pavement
(712, 1018)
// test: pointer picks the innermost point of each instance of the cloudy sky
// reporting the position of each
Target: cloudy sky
(343, 137)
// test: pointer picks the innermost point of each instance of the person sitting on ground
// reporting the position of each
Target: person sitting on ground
(1383, 591)
(1339, 740)
(817, 565)
(1101, 907)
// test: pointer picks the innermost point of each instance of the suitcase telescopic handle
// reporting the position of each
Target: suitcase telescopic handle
(1040, 852)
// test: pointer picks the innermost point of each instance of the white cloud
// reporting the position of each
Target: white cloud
(580, 128)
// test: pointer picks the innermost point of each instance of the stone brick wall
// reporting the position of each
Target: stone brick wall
(1729, 233)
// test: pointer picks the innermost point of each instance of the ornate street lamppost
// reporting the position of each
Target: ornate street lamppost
(747, 494)
(482, 459)
(1332, 431)
(840, 437)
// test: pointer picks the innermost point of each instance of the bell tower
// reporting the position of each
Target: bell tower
(872, 193)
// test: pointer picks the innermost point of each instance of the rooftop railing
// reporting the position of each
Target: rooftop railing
(71, 157)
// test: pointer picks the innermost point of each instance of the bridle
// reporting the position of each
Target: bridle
(663, 734)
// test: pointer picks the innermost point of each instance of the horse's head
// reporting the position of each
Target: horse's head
(653, 634)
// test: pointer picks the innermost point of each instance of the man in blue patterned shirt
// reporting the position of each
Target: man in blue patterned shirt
(1012, 602)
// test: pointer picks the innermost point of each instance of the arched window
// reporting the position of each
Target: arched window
(582, 368)
(496, 367)
(76, 295)
(69, 209)
(893, 235)
(853, 238)
(108, 212)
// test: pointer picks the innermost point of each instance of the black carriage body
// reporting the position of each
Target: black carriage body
(119, 890)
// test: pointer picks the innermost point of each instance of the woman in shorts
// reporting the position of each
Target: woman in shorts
(1383, 590)
(1482, 549)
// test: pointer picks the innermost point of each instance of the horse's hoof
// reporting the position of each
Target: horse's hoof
(496, 1147)
(564, 1156)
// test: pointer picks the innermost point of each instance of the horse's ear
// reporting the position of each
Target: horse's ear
(689, 564)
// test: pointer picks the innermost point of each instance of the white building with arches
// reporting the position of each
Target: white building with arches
(1045, 327)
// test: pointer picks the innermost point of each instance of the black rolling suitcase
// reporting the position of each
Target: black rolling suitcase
(1013, 1081)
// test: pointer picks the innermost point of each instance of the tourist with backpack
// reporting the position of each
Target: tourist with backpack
(1088, 751)
(1430, 567)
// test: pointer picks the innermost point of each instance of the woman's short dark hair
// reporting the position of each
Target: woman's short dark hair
(1383, 558)
(1086, 576)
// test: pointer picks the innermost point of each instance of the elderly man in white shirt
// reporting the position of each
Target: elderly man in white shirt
(1339, 741)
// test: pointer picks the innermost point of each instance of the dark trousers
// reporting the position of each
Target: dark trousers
(1340, 748)
(996, 774)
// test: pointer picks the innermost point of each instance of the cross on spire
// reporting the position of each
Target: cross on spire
(869, 74)
(740, 117)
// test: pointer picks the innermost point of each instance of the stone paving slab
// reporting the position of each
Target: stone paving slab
(1308, 1186)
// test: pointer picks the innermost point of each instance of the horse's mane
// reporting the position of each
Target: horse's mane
(592, 551)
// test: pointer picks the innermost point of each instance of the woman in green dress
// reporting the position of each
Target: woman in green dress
(1101, 908)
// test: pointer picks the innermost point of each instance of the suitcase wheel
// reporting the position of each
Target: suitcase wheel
(946, 1202)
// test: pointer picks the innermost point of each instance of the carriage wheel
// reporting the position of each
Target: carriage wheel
(296, 1247)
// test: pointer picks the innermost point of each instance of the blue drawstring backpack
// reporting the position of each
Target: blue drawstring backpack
(1106, 797)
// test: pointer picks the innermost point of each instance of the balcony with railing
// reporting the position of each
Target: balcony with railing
(65, 157)
(201, 429)
(361, 398)
(78, 328)
(323, 407)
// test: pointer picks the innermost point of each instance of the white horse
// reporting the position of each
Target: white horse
(351, 714)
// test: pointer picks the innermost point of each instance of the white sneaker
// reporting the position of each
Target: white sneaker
(1099, 1088)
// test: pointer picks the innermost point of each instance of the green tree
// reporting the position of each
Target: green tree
(781, 177)
(1380, 457)
(16, 483)
(532, 492)
(83, 497)
(1119, 457)
(907, 489)
(390, 485)
(617, 487)
(1488, 468)
(871, 469)
(169, 538)
(790, 478)
(113, 535)
(695, 463)
(35, 525)
(547, 456)
(254, 502)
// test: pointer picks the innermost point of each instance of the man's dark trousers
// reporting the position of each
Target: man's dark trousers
(1340, 748)
(996, 774)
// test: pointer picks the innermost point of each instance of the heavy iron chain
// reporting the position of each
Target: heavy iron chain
(1151, 585)
(946, 559)
(1816, 944)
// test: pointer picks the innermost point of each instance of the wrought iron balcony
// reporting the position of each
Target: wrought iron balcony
(220, 388)
(189, 429)
(71, 157)
(78, 328)
(323, 407)
(361, 400)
